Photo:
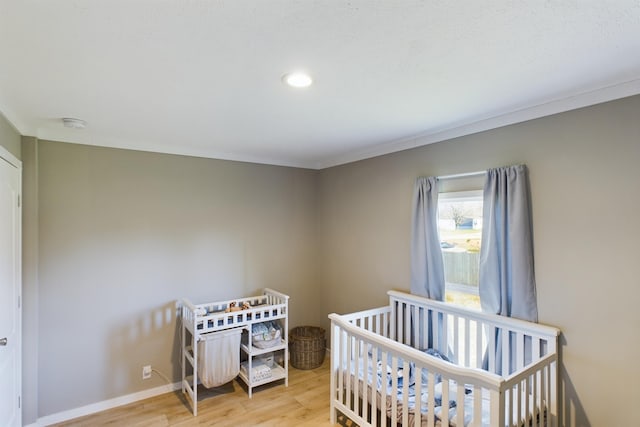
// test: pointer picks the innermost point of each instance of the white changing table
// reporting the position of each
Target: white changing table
(201, 319)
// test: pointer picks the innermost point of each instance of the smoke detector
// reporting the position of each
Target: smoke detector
(74, 123)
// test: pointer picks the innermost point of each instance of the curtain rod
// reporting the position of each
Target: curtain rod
(461, 175)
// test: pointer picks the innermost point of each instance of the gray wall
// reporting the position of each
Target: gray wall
(113, 238)
(9, 137)
(584, 181)
(123, 235)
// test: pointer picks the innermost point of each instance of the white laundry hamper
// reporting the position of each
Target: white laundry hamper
(219, 357)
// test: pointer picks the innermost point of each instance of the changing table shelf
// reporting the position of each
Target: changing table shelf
(256, 351)
(277, 373)
(279, 357)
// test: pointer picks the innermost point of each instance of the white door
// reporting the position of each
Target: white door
(10, 291)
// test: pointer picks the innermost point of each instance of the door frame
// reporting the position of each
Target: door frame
(6, 156)
(11, 159)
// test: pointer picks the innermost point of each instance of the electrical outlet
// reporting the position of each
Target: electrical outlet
(146, 372)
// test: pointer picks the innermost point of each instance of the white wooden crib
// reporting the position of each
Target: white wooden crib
(388, 362)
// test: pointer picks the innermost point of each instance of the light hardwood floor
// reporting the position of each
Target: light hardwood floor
(305, 402)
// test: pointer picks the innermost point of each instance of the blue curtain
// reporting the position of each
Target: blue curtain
(507, 284)
(427, 265)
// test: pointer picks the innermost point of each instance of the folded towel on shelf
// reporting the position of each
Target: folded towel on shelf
(259, 371)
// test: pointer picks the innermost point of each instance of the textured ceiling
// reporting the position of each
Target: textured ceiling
(203, 77)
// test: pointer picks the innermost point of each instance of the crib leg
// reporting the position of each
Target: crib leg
(332, 414)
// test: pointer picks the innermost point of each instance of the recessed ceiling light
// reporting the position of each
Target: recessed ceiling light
(297, 79)
(74, 123)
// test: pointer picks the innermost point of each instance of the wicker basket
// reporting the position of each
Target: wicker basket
(307, 345)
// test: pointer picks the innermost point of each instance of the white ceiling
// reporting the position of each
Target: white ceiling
(203, 77)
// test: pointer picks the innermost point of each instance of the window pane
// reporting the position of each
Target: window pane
(460, 228)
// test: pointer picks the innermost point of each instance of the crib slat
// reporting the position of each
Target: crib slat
(524, 400)
(508, 406)
(444, 415)
(479, 345)
(431, 328)
(341, 363)
(525, 396)
(374, 385)
(365, 380)
(508, 411)
(505, 351)
(392, 320)
(547, 372)
(515, 404)
(467, 342)
(383, 389)
(405, 393)
(543, 391)
(541, 404)
(344, 351)
(477, 406)
(385, 325)
(358, 403)
(492, 348)
(407, 324)
(394, 389)
(518, 402)
(456, 337)
(415, 330)
(399, 324)
(417, 410)
(442, 339)
(520, 356)
(460, 407)
(425, 328)
(431, 403)
(349, 369)
(535, 396)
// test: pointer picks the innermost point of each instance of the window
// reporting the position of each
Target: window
(460, 230)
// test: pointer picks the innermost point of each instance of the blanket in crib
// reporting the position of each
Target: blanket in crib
(375, 375)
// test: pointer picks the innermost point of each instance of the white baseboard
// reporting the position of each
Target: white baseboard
(104, 405)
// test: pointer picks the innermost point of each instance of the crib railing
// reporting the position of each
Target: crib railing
(495, 343)
(530, 389)
(473, 339)
(511, 361)
(376, 320)
(357, 354)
